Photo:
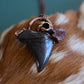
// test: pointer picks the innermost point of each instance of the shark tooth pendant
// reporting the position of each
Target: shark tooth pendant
(40, 44)
(40, 38)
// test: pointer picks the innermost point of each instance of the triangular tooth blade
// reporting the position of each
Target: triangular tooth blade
(40, 44)
(42, 51)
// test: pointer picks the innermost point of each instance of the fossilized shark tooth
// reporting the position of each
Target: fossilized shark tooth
(40, 44)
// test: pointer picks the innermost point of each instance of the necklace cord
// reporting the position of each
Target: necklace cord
(42, 7)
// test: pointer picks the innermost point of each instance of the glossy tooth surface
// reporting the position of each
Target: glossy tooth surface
(40, 44)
